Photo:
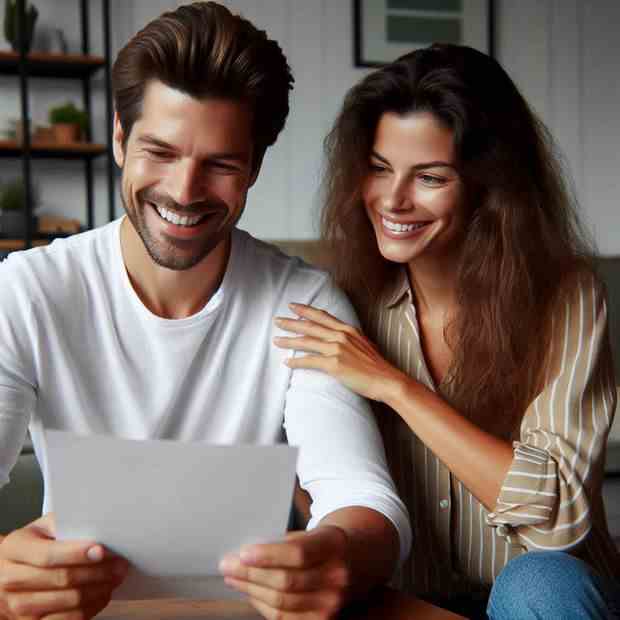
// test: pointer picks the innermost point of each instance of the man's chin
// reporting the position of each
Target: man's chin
(178, 255)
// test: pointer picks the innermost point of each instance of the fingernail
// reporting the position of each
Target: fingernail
(95, 554)
(277, 339)
(248, 555)
(293, 305)
(277, 320)
(227, 564)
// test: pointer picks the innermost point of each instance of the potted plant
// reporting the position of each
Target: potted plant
(11, 24)
(12, 205)
(68, 123)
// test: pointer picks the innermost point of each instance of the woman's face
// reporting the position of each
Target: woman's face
(413, 194)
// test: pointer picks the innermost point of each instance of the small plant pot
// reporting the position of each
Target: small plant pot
(12, 224)
(66, 133)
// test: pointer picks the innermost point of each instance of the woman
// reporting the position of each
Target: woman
(454, 234)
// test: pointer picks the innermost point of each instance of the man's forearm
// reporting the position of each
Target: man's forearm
(372, 546)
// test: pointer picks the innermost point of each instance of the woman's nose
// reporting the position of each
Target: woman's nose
(396, 197)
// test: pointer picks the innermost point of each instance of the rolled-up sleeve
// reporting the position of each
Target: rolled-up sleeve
(342, 459)
(544, 500)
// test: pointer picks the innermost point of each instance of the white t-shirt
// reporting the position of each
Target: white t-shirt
(79, 351)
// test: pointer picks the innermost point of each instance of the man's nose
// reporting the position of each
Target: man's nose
(186, 183)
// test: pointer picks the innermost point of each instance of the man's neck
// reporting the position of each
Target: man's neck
(169, 293)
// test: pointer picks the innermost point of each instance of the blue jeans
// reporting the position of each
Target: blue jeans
(550, 585)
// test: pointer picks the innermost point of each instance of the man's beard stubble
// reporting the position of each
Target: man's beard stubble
(173, 257)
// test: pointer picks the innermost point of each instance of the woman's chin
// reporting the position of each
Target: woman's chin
(398, 252)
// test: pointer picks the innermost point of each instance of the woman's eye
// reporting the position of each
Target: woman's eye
(377, 169)
(429, 179)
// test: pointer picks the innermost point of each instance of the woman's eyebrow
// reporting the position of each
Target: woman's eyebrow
(421, 166)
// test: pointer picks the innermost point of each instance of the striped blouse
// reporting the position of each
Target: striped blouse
(551, 496)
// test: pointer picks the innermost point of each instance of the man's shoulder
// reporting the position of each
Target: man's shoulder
(270, 260)
(267, 271)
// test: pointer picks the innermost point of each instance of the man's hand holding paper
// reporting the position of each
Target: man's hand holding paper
(40, 574)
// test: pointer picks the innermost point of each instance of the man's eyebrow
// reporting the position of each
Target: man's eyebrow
(153, 141)
(241, 156)
(422, 166)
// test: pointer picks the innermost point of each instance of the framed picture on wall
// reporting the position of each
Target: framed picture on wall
(387, 29)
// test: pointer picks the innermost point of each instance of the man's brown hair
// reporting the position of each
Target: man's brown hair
(203, 50)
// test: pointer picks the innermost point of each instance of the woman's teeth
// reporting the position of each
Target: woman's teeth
(179, 220)
(394, 227)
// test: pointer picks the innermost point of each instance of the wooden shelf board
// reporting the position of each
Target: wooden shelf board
(9, 245)
(40, 64)
(13, 148)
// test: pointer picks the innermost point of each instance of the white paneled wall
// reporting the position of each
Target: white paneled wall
(564, 54)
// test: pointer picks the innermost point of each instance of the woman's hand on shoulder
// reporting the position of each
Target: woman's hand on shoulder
(339, 350)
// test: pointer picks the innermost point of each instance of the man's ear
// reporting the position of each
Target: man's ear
(118, 136)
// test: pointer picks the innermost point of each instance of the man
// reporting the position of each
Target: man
(160, 325)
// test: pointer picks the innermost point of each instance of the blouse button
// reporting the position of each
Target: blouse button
(444, 503)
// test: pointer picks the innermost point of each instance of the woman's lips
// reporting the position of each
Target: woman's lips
(402, 230)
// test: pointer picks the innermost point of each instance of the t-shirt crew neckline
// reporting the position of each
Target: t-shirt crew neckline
(208, 310)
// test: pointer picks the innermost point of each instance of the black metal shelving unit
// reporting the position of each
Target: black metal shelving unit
(79, 67)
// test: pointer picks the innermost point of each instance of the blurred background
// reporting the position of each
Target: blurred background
(563, 54)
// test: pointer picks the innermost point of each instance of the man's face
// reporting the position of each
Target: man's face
(187, 168)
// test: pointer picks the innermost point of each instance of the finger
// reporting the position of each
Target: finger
(306, 343)
(304, 550)
(284, 580)
(46, 524)
(310, 328)
(31, 545)
(265, 611)
(320, 316)
(52, 601)
(312, 362)
(273, 598)
(18, 577)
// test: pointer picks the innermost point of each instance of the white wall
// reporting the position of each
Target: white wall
(562, 53)
(565, 56)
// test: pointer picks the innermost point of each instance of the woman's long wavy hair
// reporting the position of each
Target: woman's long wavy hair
(523, 237)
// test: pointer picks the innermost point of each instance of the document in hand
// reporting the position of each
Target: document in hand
(172, 508)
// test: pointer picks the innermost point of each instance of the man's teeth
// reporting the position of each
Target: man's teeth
(179, 220)
(393, 226)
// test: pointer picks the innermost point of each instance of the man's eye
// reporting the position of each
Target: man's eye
(160, 155)
(222, 168)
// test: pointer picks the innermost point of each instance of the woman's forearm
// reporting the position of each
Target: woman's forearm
(479, 459)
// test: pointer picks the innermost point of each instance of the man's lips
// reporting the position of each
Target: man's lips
(184, 225)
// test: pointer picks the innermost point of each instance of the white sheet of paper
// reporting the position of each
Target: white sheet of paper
(172, 508)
